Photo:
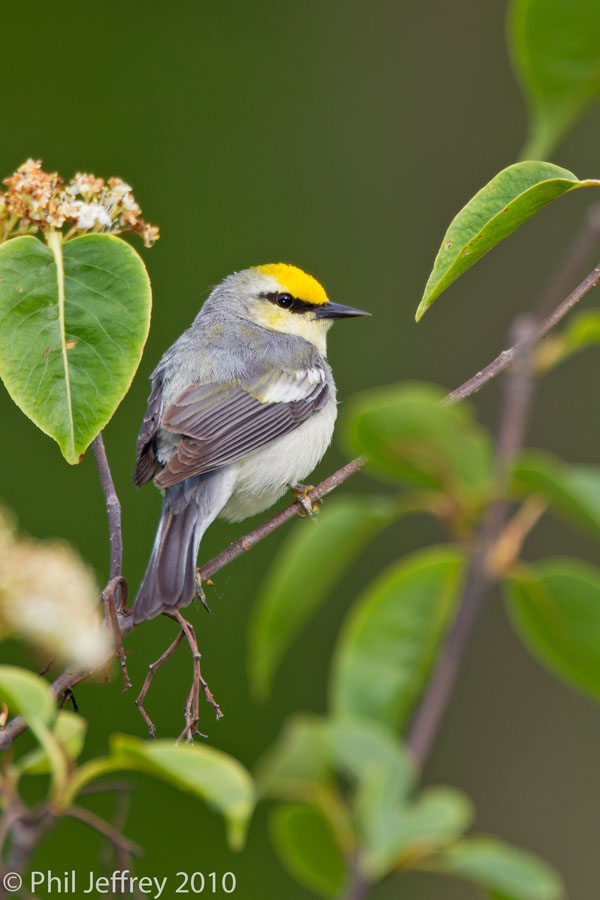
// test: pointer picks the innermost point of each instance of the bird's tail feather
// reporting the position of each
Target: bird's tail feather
(170, 579)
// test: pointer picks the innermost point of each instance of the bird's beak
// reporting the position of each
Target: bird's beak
(331, 310)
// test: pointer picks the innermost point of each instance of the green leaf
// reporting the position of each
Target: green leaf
(391, 636)
(27, 695)
(508, 200)
(395, 833)
(202, 771)
(582, 330)
(69, 347)
(362, 750)
(299, 761)
(30, 696)
(310, 561)
(69, 732)
(410, 436)
(573, 491)
(502, 870)
(555, 607)
(308, 848)
(555, 48)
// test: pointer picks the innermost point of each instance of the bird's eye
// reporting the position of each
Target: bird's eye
(286, 301)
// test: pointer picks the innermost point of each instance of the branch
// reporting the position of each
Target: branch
(70, 677)
(504, 359)
(105, 829)
(243, 544)
(113, 509)
(478, 577)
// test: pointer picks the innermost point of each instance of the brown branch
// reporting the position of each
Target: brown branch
(478, 577)
(504, 359)
(105, 829)
(70, 677)
(243, 544)
(113, 508)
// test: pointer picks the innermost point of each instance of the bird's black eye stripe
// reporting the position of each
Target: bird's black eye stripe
(286, 301)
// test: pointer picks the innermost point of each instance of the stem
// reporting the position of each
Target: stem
(245, 543)
(54, 241)
(105, 829)
(478, 577)
(113, 509)
(70, 677)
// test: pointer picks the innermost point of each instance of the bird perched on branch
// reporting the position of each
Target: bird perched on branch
(242, 406)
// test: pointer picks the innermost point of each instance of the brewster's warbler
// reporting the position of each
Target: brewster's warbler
(243, 405)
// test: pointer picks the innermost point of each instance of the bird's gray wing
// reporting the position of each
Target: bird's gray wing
(145, 463)
(220, 423)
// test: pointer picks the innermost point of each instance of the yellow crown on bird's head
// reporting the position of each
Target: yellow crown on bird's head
(296, 282)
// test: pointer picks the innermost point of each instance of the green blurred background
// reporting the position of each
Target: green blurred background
(341, 136)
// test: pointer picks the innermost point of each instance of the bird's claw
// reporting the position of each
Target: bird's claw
(301, 492)
(200, 593)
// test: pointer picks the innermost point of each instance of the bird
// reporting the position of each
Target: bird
(242, 407)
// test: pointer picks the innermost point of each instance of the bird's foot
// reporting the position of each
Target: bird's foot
(200, 592)
(301, 492)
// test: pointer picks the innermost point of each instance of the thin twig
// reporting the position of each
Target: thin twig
(114, 595)
(581, 248)
(433, 705)
(113, 508)
(105, 829)
(248, 541)
(111, 604)
(70, 677)
(359, 886)
(121, 812)
(504, 359)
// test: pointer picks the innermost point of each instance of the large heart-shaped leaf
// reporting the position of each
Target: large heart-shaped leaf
(74, 318)
(508, 200)
(555, 48)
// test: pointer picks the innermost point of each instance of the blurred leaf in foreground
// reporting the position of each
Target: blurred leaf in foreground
(201, 771)
(391, 636)
(573, 491)
(309, 562)
(555, 607)
(555, 48)
(411, 437)
(308, 848)
(505, 872)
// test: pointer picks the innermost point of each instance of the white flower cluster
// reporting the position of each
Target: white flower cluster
(37, 200)
(48, 598)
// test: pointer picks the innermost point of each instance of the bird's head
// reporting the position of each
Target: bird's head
(283, 298)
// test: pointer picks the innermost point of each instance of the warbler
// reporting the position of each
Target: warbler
(242, 406)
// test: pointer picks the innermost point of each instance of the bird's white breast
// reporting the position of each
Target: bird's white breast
(263, 476)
